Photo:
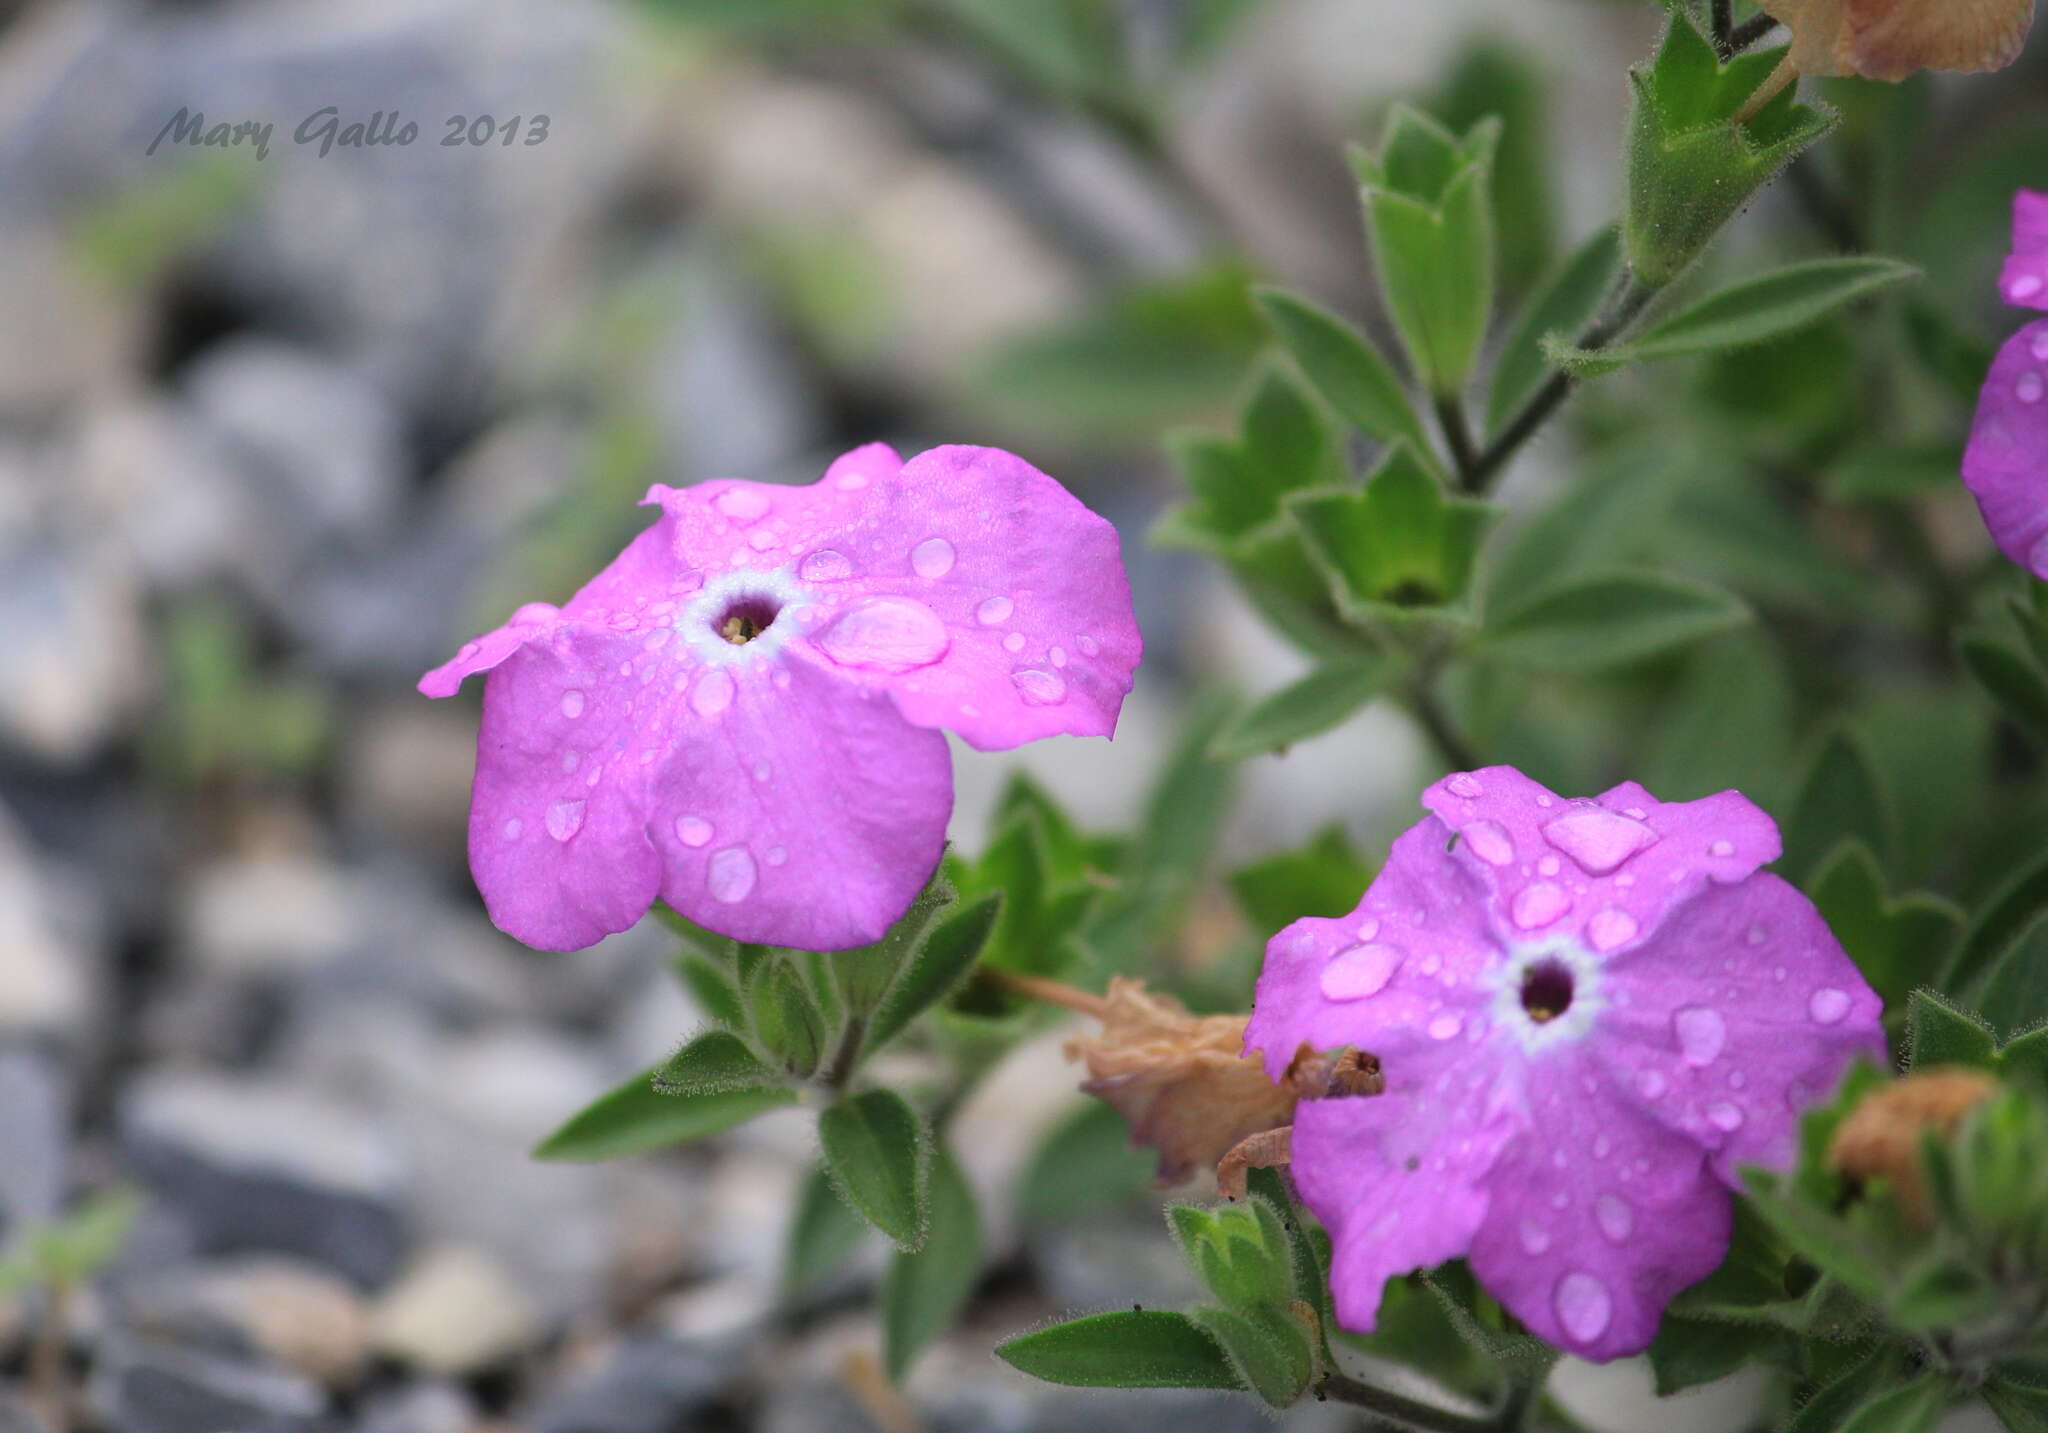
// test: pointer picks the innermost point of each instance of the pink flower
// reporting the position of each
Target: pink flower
(1588, 1014)
(740, 714)
(2006, 462)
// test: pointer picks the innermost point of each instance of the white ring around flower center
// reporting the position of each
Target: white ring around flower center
(1569, 1025)
(698, 621)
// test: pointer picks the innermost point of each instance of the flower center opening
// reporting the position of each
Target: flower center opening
(1546, 991)
(746, 618)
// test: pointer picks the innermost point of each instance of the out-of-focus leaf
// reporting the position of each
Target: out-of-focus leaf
(1569, 301)
(1727, 724)
(823, 1233)
(1323, 699)
(1324, 878)
(1899, 943)
(1085, 1166)
(1401, 543)
(1350, 373)
(1609, 619)
(925, 1290)
(1941, 1033)
(1843, 798)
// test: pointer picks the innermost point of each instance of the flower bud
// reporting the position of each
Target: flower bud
(1890, 39)
(1881, 1137)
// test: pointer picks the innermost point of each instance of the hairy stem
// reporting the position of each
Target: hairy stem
(1052, 992)
(1724, 26)
(1774, 84)
(1748, 33)
(840, 1069)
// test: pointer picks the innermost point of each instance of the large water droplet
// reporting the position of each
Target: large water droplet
(513, 827)
(730, 875)
(1088, 645)
(777, 855)
(1610, 928)
(2026, 286)
(1721, 848)
(1535, 1238)
(565, 819)
(1539, 905)
(1489, 841)
(1828, 1005)
(993, 610)
(1465, 784)
(1360, 971)
(569, 760)
(932, 558)
(1615, 1216)
(1598, 839)
(1725, 1116)
(534, 614)
(1583, 1306)
(1014, 642)
(742, 505)
(1040, 688)
(572, 704)
(885, 634)
(1701, 1034)
(693, 831)
(2039, 347)
(2029, 388)
(825, 565)
(1446, 1025)
(713, 692)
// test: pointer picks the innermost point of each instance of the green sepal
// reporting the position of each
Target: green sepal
(1399, 544)
(714, 1062)
(1941, 1033)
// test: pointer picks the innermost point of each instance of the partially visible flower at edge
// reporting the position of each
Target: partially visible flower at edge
(1588, 1015)
(739, 715)
(2005, 465)
(1890, 39)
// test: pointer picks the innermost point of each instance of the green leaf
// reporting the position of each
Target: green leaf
(1271, 1359)
(636, 1117)
(86, 1240)
(1324, 878)
(1826, 1242)
(1344, 366)
(1436, 268)
(2014, 909)
(879, 1157)
(2012, 677)
(864, 974)
(787, 1022)
(1288, 442)
(1727, 723)
(1752, 311)
(1402, 542)
(1149, 1348)
(1897, 943)
(942, 961)
(1843, 798)
(1321, 700)
(1590, 623)
(1071, 47)
(712, 986)
(1910, 1408)
(2017, 985)
(1613, 514)
(2020, 1407)
(824, 1231)
(1563, 307)
(1494, 76)
(1831, 1405)
(1086, 1166)
(924, 1290)
(1939, 1033)
(1688, 1352)
(2025, 1058)
(713, 1063)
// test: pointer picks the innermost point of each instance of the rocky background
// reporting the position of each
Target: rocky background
(276, 434)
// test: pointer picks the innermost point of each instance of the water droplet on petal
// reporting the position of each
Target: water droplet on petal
(1650, 1084)
(777, 855)
(1701, 1034)
(1014, 642)
(1535, 1238)
(2026, 286)
(1057, 656)
(1369, 928)
(1610, 928)
(932, 558)
(569, 760)
(1088, 645)
(1828, 1005)
(1598, 839)
(565, 819)
(885, 634)
(1755, 935)
(2039, 347)
(1583, 1306)
(1465, 784)
(1360, 971)
(513, 827)
(1721, 848)
(730, 875)
(1615, 1216)
(533, 614)
(713, 693)
(1539, 905)
(825, 565)
(1725, 1116)
(742, 505)
(1040, 689)
(572, 704)
(1446, 1025)
(993, 610)
(2029, 388)
(1489, 841)
(693, 831)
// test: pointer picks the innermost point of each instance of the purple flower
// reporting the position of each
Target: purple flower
(1588, 1014)
(740, 714)
(2006, 462)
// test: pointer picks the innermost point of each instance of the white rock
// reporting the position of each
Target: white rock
(455, 1311)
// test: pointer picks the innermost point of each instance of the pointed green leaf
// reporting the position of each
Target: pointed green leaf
(636, 1117)
(1688, 1352)
(1324, 878)
(1086, 1166)
(1758, 309)
(1436, 268)
(1140, 1348)
(1940, 1033)
(1322, 699)
(2013, 909)
(1267, 1360)
(1590, 623)
(712, 985)
(1826, 1242)
(1843, 798)
(1345, 367)
(1612, 514)
(948, 952)
(926, 1289)
(1831, 1405)
(2020, 1407)
(1898, 944)
(2012, 678)
(879, 1157)
(1563, 307)
(1727, 723)
(2026, 1059)
(713, 1063)
(1911, 1408)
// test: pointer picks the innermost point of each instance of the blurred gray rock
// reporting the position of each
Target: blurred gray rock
(641, 1385)
(454, 1311)
(1108, 1264)
(44, 965)
(141, 1386)
(254, 1165)
(35, 1114)
(431, 1407)
(267, 914)
(160, 485)
(74, 664)
(294, 1313)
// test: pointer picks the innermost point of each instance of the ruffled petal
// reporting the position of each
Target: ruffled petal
(1400, 977)
(2006, 463)
(2024, 283)
(1742, 1012)
(800, 814)
(1603, 873)
(1399, 1179)
(481, 654)
(557, 832)
(1597, 1217)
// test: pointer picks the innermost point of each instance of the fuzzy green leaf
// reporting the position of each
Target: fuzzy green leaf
(1141, 1348)
(925, 1290)
(637, 1117)
(1345, 367)
(879, 1157)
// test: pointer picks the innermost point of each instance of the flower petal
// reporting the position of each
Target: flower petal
(557, 835)
(487, 651)
(1598, 1216)
(2006, 462)
(807, 815)
(1399, 1179)
(2024, 283)
(1399, 977)
(1603, 873)
(1740, 1013)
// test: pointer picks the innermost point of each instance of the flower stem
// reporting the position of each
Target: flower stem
(1406, 1413)
(1774, 84)
(1748, 33)
(1436, 720)
(1052, 992)
(840, 1070)
(1450, 417)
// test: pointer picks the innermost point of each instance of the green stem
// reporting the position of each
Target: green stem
(840, 1070)
(1436, 720)
(1450, 417)
(1404, 1413)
